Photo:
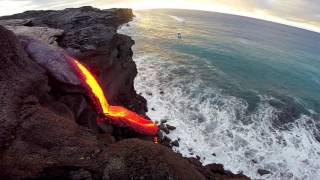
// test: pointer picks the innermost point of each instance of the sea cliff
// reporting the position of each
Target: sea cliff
(48, 125)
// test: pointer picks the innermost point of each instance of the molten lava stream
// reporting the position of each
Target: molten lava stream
(119, 115)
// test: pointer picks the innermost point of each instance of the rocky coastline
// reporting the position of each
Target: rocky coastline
(48, 126)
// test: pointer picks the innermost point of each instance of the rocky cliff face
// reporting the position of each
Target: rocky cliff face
(90, 35)
(47, 124)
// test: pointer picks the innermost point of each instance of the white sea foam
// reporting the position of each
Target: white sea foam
(208, 123)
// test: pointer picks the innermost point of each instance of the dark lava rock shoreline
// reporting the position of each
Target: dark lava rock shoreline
(48, 128)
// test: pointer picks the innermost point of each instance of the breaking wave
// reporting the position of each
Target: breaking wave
(219, 126)
(211, 125)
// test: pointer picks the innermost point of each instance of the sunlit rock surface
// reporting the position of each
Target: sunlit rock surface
(48, 35)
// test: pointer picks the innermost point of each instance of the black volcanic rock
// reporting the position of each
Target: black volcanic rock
(48, 129)
(90, 34)
(53, 60)
(17, 75)
(80, 17)
(136, 159)
(263, 172)
(171, 128)
(33, 136)
(175, 143)
(164, 128)
(216, 171)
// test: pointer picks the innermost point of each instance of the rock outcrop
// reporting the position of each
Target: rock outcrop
(33, 135)
(48, 127)
(48, 35)
(90, 35)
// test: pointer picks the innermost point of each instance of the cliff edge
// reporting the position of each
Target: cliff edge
(48, 126)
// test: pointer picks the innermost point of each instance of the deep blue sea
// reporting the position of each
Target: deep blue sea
(241, 91)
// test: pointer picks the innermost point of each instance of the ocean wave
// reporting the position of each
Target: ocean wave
(210, 123)
(278, 134)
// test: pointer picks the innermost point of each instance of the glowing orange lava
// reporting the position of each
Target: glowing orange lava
(119, 115)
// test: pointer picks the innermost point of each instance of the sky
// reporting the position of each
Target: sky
(300, 13)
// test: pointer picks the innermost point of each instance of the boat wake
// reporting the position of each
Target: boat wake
(177, 18)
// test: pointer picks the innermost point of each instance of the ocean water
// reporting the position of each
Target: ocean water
(241, 92)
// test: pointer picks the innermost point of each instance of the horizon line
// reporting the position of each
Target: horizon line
(272, 19)
(316, 30)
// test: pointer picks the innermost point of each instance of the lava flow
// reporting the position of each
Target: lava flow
(119, 115)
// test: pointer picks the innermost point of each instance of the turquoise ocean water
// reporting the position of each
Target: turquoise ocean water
(244, 89)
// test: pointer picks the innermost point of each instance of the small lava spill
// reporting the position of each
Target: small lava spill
(118, 115)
